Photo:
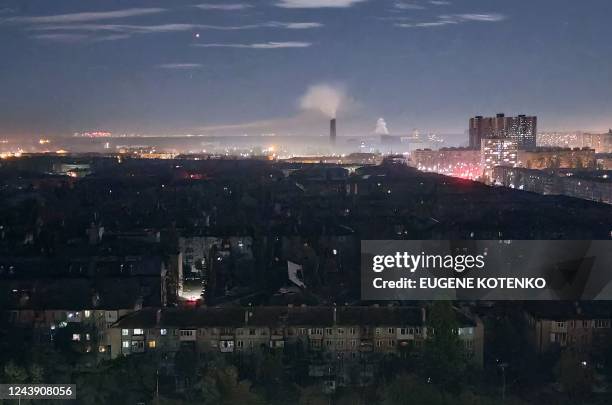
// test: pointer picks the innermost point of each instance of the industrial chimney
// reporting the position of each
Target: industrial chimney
(332, 131)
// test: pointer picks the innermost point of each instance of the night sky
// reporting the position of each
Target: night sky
(173, 67)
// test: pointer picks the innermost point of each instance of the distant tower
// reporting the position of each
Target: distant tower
(332, 131)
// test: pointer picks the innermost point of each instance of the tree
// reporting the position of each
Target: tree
(407, 390)
(222, 386)
(37, 373)
(128, 380)
(313, 395)
(575, 375)
(186, 366)
(15, 374)
(444, 360)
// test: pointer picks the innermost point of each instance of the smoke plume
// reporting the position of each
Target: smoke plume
(381, 127)
(324, 98)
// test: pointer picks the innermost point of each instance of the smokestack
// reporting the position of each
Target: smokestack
(332, 131)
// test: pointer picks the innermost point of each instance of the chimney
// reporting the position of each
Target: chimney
(332, 131)
(335, 314)
(158, 315)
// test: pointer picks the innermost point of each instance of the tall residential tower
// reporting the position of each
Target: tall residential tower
(521, 129)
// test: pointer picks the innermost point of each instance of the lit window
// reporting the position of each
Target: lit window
(87, 313)
(163, 332)
(76, 337)
(138, 332)
(87, 336)
(125, 332)
(126, 344)
(152, 344)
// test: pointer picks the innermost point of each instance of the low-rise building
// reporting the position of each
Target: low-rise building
(600, 142)
(457, 162)
(350, 332)
(557, 158)
(587, 185)
(582, 327)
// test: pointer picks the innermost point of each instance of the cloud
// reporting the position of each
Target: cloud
(477, 17)
(400, 5)
(84, 17)
(455, 19)
(67, 38)
(72, 38)
(84, 25)
(263, 45)
(425, 24)
(223, 7)
(180, 66)
(317, 3)
(177, 27)
(111, 37)
(440, 3)
(301, 26)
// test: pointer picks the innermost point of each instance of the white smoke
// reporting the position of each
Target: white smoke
(381, 127)
(324, 98)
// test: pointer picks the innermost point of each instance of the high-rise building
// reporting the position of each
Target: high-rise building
(522, 129)
(498, 152)
(332, 131)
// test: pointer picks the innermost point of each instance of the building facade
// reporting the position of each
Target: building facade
(350, 332)
(557, 158)
(521, 129)
(587, 185)
(497, 152)
(456, 162)
(600, 142)
(580, 327)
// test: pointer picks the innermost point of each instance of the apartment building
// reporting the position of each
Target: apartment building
(583, 327)
(76, 309)
(350, 332)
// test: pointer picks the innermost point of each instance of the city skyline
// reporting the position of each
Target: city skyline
(220, 68)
